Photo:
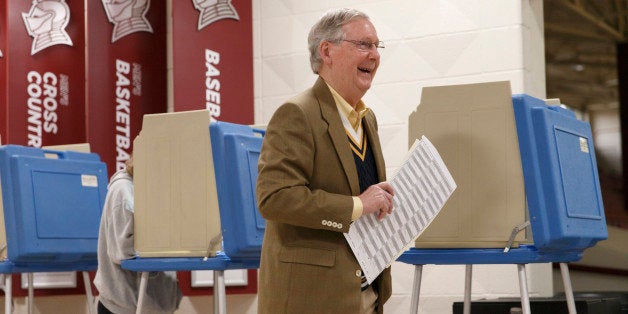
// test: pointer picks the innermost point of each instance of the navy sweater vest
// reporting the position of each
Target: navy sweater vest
(364, 163)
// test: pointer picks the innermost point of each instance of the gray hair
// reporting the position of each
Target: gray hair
(329, 28)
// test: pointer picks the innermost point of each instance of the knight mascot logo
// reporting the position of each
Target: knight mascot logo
(214, 10)
(46, 22)
(128, 16)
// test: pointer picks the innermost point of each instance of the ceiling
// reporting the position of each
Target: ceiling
(580, 51)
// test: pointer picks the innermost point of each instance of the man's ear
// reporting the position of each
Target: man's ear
(324, 49)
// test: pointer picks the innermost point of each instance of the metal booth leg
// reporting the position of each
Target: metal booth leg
(142, 293)
(571, 303)
(523, 287)
(88, 292)
(467, 289)
(416, 289)
(220, 295)
(8, 292)
(31, 293)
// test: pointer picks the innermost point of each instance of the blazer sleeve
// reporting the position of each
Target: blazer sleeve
(287, 163)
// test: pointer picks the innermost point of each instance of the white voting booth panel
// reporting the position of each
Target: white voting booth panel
(176, 203)
(473, 128)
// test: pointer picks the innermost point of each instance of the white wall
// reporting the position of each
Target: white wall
(436, 42)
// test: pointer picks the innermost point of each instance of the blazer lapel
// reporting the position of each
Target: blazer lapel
(336, 131)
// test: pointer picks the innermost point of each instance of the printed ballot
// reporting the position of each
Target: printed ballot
(422, 186)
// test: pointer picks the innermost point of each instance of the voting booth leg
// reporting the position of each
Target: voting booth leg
(31, 293)
(467, 289)
(571, 303)
(88, 293)
(416, 287)
(142, 292)
(220, 295)
(8, 292)
(523, 287)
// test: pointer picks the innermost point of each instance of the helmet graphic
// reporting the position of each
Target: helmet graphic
(214, 10)
(128, 16)
(46, 22)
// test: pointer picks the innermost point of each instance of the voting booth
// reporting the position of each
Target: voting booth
(51, 205)
(491, 141)
(555, 160)
(195, 197)
(194, 184)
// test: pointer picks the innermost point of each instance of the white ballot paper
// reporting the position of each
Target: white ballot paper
(422, 186)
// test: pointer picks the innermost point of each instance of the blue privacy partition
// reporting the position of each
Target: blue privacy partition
(52, 203)
(236, 150)
(560, 175)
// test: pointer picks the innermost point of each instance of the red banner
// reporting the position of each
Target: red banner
(4, 115)
(213, 58)
(213, 68)
(127, 73)
(43, 84)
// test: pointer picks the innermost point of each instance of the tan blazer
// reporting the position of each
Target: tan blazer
(306, 178)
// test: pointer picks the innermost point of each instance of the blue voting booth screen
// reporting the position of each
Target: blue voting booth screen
(236, 150)
(560, 174)
(52, 206)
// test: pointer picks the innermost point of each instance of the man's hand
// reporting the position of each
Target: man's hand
(378, 199)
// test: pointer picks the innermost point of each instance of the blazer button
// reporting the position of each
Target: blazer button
(358, 273)
(339, 226)
(335, 224)
(324, 222)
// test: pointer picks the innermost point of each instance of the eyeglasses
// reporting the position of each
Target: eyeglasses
(366, 45)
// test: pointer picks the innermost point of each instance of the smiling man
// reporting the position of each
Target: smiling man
(321, 168)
